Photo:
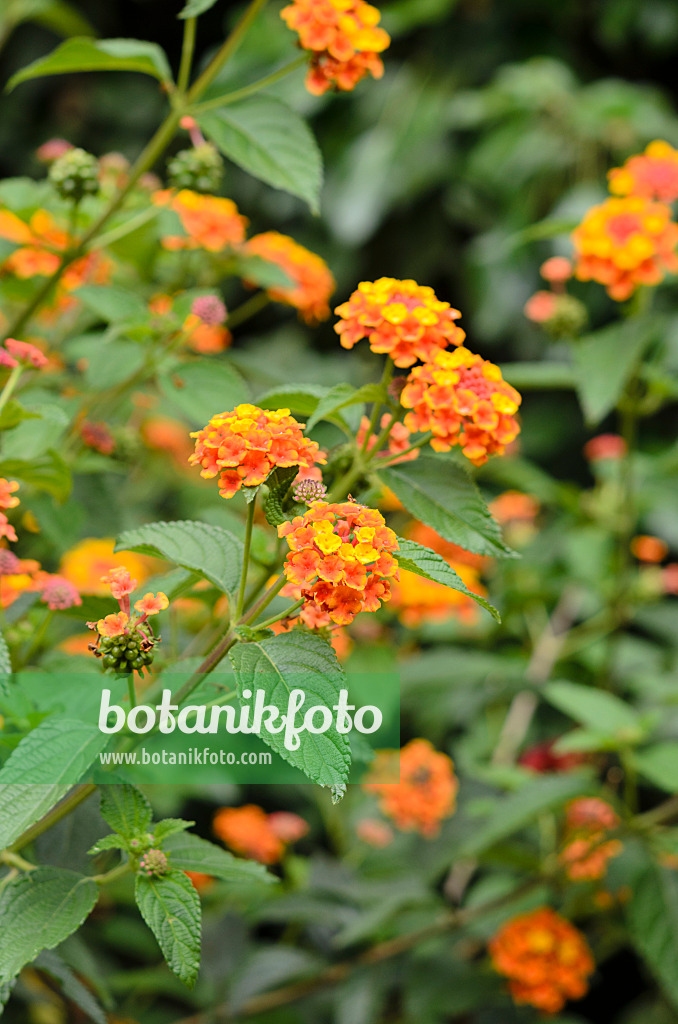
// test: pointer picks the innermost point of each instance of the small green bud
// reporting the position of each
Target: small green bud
(200, 169)
(75, 175)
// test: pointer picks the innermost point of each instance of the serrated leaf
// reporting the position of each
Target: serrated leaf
(604, 362)
(38, 910)
(441, 493)
(71, 986)
(110, 842)
(46, 472)
(652, 917)
(5, 666)
(270, 141)
(58, 750)
(196, 7)
(170, 906)
(191, 853)
(125, 809)
(83, 54)
(598, 710)
(169, 827)
(202, 389)
(112, 304)
(286, 662)
(22, 805)
(424, 562)
(209, 550)
(340, 397)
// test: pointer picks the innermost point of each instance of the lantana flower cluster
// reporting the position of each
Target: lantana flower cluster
(344, 38)
(341, 560)
(243, 446)
(546, 959)
(125, 641)
(312, 280)
(587, 847)
(416, 786)
(253, 833)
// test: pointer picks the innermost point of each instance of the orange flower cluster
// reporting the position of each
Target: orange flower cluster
(312, 281)
(546, 959)
(245, 445)
(420, 600)
(345, 40)
(398, 440)
(426, 793)
(653, 174)
(626, 242)
(462, 399)
(122, 623)
(647, 548)
(198, 333)
(7, 500)
(210, 222)
(253, 833)
(341, 558)
(587, 849)
(401, 318)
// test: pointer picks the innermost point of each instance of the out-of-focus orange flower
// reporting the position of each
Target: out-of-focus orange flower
(649, 549)
(287, 826)
(652, 174)
(210, 222)
(398, 440)
(341, 558)
(25, 352)
(426, 793)
(375, 833)
(462, 399)
(605, 446)
(624, 243)
(201, 881)
(342, 643)
(7, 493)
(17, 576)
(418, 600)
(91, 558)
(546, 959)
(167, 435)
(344, 38)
(312, 281)
(242, 447)
(250, 832)
(587, 849)
(403, 319)
(541, 307)
(78, 643)
(670, 578)
(556, 270)
(97, 436)
(208, 339)
(514, 506)
(420, 533)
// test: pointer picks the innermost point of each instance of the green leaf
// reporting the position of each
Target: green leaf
(441, 493)
(98, 55)
(596, 709)
(340, 397)
(112, 304)
(46, 473)
(204, 388)
(521, 809)
(659, 764)
(169, 827)
(71, 987)
(652, 918)
(14, 413)
(301, 660)
(209, 550)
(544, 376)
(59, 750)
(5, 666)
(110, 842)
(257, 270)
(270, 141)
(195, 7)
(59, 17)
(170, 906)
(22, 805)
(604, 362)
(300, 398)
(427, 563)
(191, 853)
(38, 910)
(125, 809)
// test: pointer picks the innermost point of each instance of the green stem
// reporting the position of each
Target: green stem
(10, 384)
(188, 46)
(245, 558)
(254, 87)
(38, 637)
(131, 691)
(122, 230)
(114, 874)
(283, 615)
(265, 600)
(226, 51)
(385, 463)
(376, 409)
(15, 861)
(247, 309)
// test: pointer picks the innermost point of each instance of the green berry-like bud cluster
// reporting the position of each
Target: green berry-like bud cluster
(124, 654)
(200, 169)
(569, 318)
(75, 175)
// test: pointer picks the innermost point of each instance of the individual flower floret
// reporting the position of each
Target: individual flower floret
(312, 282)
(624, 243)
(126, 642)
(426, 793)
(344, 38)
(243, 446)
(653, 174)
(24, 352)
(546, 959)
(587, 848)
(7, 489)
(251, 832)
(210, 222)
(341, 559)
(462, 399)
(403, 319)
(605, 446)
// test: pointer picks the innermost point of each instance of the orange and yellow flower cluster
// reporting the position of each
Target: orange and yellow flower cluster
(426, 793)
(587, 848)
(341, 558)
(546, 959)
(463, 400)
(123, 623)
(243, 446)
(403, 319)
(652, 174)
(253, 833)
(344, 38)
(210, 222)
(312, 281)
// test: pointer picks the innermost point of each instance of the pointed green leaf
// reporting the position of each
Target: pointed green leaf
(652, 916)
(191, 853)
(170, 906)
(71, 986)
(169, 827)
(598, 710)
(604, 362)
(196, 7)
(427, 563)
(204, 388)
(340, 397)
(125, 809)
(83, 54)
(112, 304)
